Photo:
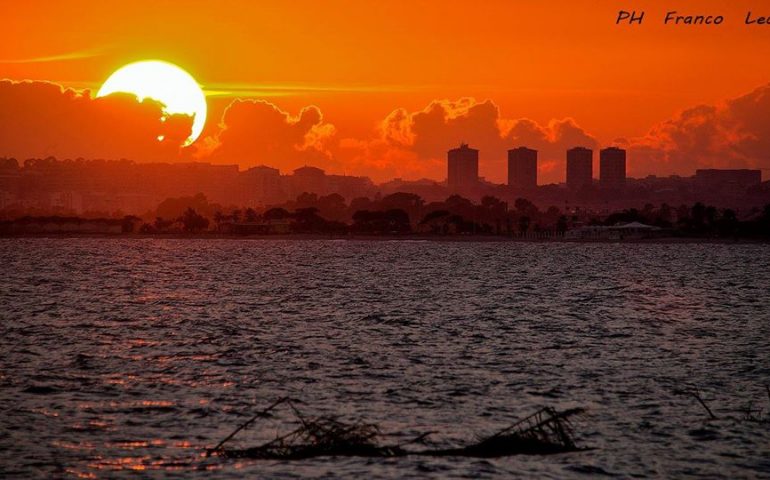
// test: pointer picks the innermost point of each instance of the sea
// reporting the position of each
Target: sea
(129, 358)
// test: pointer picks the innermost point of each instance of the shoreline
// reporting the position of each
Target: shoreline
(384, 238)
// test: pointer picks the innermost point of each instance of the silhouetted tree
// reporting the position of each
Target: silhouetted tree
(525, 207)
(663, 216)
(251, 215)
(711, 215)
(276, 214)
(160, 224)
(390, 221)
(360, 203)
(523, 225)
(409, 203)
(698, 216)
(764, 221)
(129, 223)
(175, 207)
(728, 223)
(332, 207)
(561, 224)
(219, 217)
(307, 220)
(434, 215)
(626, 216)
(192, 221)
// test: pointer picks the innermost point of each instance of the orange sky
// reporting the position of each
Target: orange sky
(359, 61)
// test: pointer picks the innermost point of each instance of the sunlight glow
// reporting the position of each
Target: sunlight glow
(164, 82)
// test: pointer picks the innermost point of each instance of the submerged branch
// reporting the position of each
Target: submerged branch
(547, 431)
(261, 414)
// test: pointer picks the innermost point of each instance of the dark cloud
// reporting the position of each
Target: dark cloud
(40, 119)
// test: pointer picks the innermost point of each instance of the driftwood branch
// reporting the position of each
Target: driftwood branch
(697, 396)
(545, 432)
(261, 414)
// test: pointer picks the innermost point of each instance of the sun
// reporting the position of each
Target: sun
(164, 82)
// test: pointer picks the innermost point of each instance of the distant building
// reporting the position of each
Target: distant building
(580, 167)
(68, 201)
(308, 180)
(522, 168)
(64, 225)
(350, 187)
(734, 182)
(612, 168)
(463, 168)
(261, 185)
(626, 231)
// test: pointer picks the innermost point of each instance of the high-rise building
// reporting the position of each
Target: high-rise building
(462, 168)
(580, 167)
(612, 168)
(522, 168)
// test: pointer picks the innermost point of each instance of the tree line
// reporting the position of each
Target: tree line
(404, 213)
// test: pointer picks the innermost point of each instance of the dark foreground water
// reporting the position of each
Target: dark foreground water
(126, 358)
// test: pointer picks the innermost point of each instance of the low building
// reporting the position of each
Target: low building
(264, 227)
(734, 182)
(64, 225)
(627, 231)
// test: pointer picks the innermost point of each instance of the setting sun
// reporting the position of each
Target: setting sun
(164, 82)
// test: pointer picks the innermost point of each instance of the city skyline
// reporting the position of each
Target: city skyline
(551, 167)
(394, 117)
(112, 187)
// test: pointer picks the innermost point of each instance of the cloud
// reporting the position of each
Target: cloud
(254, 132)
(732, 134)
(62, 57)
(415, 143)
(41, 119)
(383, 161)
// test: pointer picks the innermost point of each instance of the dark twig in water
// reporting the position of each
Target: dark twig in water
(261, 414)
(749, 413)
(697, 396)
(546, 431)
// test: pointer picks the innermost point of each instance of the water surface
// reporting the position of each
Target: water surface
(126, 355)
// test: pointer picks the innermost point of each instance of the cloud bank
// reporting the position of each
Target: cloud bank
(40, 119)
(733, 134)
(254, 132)
(425, 136)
